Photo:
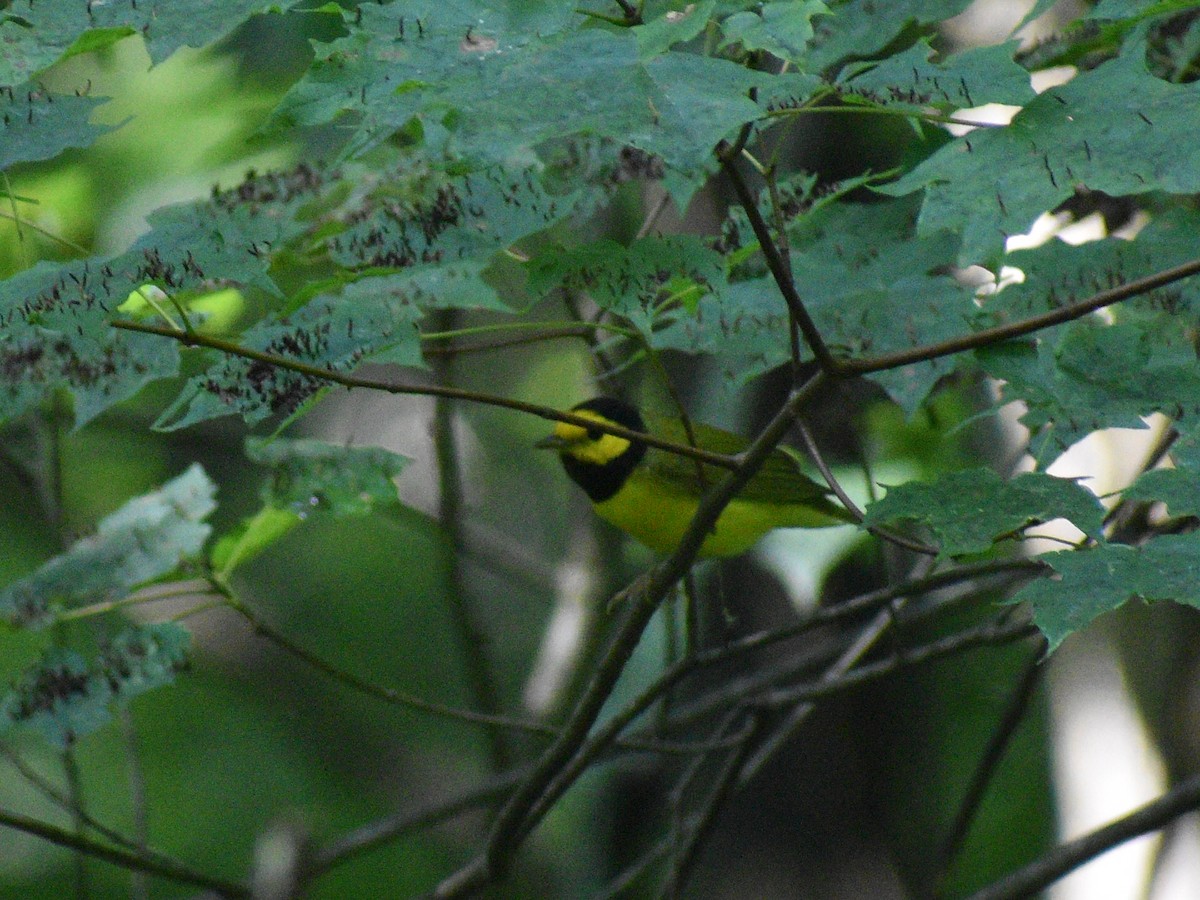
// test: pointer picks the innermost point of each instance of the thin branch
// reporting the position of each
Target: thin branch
(1014, 714)
(153, 864)
(197, 339)
(139, 805)
(79, 819)
(402, 698)
(652, 216)
(361, 685)
(1033, 878)
(15, 216)
(59, 799)
(582, 330)
(814, 453)
(1017, 329)
(627, 878)
(723, 783)
(990, 635)
(801, 707)
(765, 690)
(780, 266)
(783, 245)
(472, 636)
(606, 734)
(69, 244)
(380, 832)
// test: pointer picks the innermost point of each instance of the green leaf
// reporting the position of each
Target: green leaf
(312, 476)
(970, 78)
(36, 124)
(1057, 274)
(193, 245)
(860, 29)
(1091, 582)
(634, 282)
(1178, 489)
(65, 698)
(1116, 128)
(145, 539)
(969, 511)
(60, 696)
(35, 34)
(251, 537)
(144, 658)
(51, 343)
(673, 27)
(56, 317)
(460, 72)
(372, 318)
(782, 29)
(1096, 376)
(461, 223)
(870, 283)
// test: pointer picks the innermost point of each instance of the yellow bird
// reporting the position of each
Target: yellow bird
(652, 494)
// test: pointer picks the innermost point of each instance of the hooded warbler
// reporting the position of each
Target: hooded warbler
(652, 494)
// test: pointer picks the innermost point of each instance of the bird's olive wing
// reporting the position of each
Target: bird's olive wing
(778, 481)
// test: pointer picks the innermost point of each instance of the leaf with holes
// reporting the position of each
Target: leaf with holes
(36, 124)
(1116, 128)
(36, 34)
(145, 539)
(65, 697)
(312, 476)
(969, 511)
(1089, 583)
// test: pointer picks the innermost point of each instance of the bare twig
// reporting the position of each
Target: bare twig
(198, 339)
(380, 832)
(370, 688)
(687, 842)
(1014, 714)
(814, 453)
(1031, 879)
(802, 706)
(153, 864)
(780, 266)
(989, 336)
(472, 636)
(607, 733)
(140, 886)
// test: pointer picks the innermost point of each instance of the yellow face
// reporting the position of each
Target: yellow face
(586, 445)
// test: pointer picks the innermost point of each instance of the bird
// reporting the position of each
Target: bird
(653, 494)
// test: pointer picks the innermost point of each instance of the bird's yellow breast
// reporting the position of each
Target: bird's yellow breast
(658, 517)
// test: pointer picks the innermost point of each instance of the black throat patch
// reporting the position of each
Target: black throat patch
(600, 482)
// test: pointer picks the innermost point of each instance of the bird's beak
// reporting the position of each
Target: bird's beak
(551, 442)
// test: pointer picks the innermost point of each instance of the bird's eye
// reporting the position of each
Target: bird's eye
(594, 434)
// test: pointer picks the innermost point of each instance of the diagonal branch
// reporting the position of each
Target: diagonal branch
(1031, 879)
(781, 268)
(1000, 333)
(135, 861)
(196, 339)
